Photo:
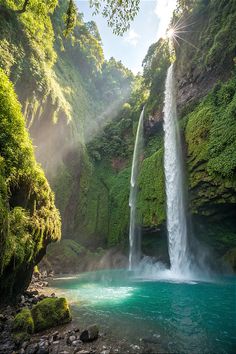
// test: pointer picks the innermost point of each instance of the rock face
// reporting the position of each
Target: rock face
(29, 220)
(77, 258)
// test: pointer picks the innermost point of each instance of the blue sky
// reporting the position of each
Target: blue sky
(147, 28)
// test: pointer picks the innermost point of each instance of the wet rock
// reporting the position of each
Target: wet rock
(135, 347)
(55, 335)
(89, 334)
(77, 343)
(71, 339)
(82, 352)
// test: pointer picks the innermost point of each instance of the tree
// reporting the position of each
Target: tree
(70, 19)
(26, 2)
(119, 13)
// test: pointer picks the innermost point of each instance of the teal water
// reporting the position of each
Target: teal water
(181, 317)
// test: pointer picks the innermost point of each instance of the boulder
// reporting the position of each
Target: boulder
(50, 312)
(23, 325)
(90, 334)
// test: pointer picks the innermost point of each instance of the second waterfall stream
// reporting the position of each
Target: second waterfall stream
(134, 229)
(174, 183)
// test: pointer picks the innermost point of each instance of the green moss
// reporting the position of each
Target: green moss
(119, 208)
(211, 145)
(153, 144)
(47, 313)
(50, 312)
(213, 43)
(151, 197)
(23, 322)
(29, 219)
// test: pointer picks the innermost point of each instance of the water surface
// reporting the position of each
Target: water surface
(181, 317)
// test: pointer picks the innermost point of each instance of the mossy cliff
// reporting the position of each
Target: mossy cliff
(29, 220)
(206, 92)
(65, 86)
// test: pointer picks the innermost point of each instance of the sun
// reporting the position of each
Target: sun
(170, 33)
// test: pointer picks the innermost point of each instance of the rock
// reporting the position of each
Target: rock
(53, 295)
(82, 352)
(107, 351)
(50, 312)
(34, 300)
(55, 335)
(3, 318)
(89, 334)
(32, 349)
(56, 342)
(71, 339)
(77, 343)
(43, 350)
(135, 347)
(24, 345)
(23, 325)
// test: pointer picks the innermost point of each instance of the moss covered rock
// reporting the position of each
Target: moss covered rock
(50, 312)
(23, 325)
(46, 314)
(23, 322)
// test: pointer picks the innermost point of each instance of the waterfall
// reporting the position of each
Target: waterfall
(134, 229)
(176, 213)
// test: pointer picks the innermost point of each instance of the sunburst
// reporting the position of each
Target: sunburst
(176, 31)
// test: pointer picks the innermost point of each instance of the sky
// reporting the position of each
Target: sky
(149, 25)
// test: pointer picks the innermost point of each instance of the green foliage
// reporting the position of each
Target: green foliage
(153, 144)
(70, 18)
(119, 208)
(155, 65)
(211, 137)
(151, 197)
(213, 44)
(50, 312)
(29, 219)
(92, 219)
(119, 13)
(117, 138)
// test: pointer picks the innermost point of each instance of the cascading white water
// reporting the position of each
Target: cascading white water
(134, 230)
(176, 213)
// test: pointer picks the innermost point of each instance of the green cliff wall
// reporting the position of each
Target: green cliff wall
(29, 220)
